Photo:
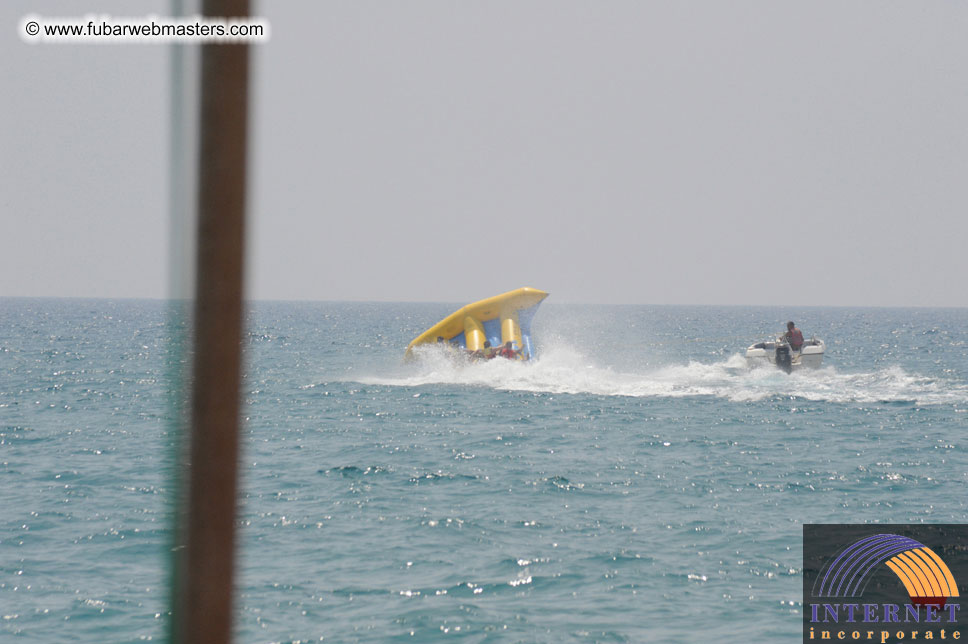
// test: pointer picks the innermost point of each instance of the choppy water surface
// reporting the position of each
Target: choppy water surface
(636, 483)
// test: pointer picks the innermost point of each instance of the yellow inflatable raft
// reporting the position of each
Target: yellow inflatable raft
(498, 320)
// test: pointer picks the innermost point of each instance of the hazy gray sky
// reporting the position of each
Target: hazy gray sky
(756, 152)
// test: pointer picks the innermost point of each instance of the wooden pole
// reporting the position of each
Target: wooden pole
(203, 604)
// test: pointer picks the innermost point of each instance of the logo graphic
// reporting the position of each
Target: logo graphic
(887, 583)
(925, 576)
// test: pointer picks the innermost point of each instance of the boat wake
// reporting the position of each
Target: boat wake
(565, 371)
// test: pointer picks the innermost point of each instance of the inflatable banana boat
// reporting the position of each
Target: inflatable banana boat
(496, 320)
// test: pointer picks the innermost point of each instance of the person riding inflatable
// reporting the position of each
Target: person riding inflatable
(507, 351)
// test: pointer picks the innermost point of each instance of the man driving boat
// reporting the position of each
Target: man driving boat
(794, 337)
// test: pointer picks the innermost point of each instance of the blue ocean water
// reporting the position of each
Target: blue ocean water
(636, 483)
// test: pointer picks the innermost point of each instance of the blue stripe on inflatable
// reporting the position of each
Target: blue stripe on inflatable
(459, 340)
(492, 331)
(528, 349)
(524, 321)
(525, 315)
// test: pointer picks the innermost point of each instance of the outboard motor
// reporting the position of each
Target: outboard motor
(783, 359)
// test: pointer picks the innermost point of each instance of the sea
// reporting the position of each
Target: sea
(637, 482)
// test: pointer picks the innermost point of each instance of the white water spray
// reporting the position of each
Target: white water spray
(564, 370)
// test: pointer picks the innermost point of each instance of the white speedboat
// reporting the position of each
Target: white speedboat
(778, 352)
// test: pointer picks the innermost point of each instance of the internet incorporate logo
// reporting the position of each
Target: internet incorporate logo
(926, 578)
(856, 578)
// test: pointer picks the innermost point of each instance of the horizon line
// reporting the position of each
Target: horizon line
(458, 302)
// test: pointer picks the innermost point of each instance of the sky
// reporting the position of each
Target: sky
(749, 152)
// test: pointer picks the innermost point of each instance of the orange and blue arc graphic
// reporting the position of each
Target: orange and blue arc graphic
(925, 576)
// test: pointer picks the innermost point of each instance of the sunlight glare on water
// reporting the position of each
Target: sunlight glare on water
(636, 482)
